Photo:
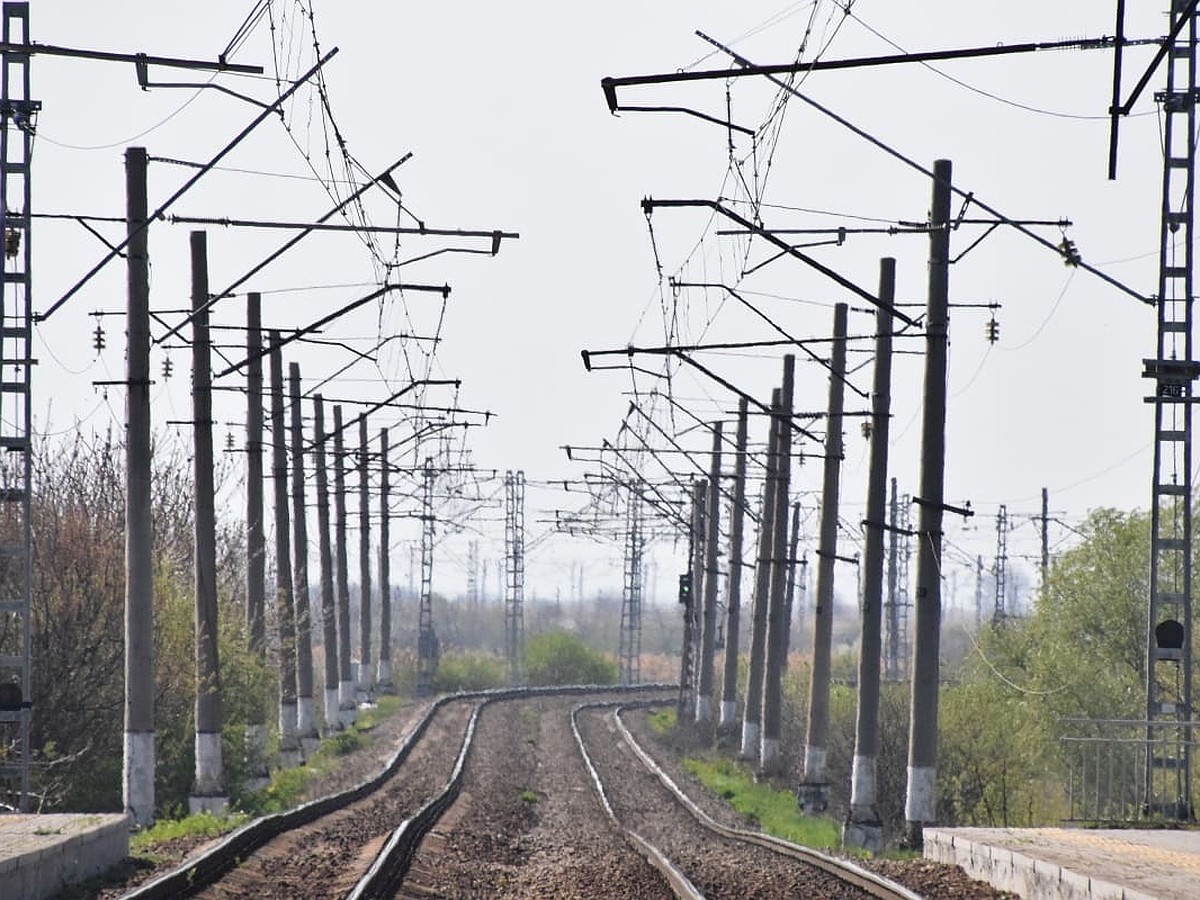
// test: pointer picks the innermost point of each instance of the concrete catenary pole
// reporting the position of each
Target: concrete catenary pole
(708, 641)
(752, 714)
(733, 597)
(770, 752)
(333, 719)
(285, 605)
(814, 788)
(920, 803)
(385, 577)
(138, 763)
(366, 675)
(208, 791)
(257, 770)
(690, 601)
(865, 826)
(306, 721)
(346, 706)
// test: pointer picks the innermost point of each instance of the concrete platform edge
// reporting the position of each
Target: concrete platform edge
(1007, 870)
(39, 855)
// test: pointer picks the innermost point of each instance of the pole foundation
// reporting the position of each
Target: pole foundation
(333, 711)
(208, 794)
(347, 708)
(139, 777)
(749, 748)
(258, 773)
(771, 762)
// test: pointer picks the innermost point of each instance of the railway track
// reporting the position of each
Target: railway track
(495, 794)
(355, 843)
(697, 855)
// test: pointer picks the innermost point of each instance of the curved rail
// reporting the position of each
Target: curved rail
(208, 868)
(847, 871)
(678, 882)
(384, 877)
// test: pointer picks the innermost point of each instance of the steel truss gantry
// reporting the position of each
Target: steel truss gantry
(18, 118)
(1173, 371)
(630, 650)
(428, 650)
(514, 555)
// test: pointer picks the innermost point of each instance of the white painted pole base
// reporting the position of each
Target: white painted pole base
(208, 794)
(864, 830)
(306, 718)
(920, 803)
(749, 748)
(364, 684)
(703, 708)
(728, 714)
(139, 777)
(813, 793)
(384, 678)
(209, 764)
(862, 786)
(289, 742)
(814, 763)
(306, 726)
(258, 772)
(347, 708)
(771, 761)
(333, 715)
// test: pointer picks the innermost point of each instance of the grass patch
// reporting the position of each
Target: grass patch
(529, 797)
(663, 721)
(204, 825)
(386, 705)
(775, 812)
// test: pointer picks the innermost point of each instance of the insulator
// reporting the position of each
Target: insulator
(865, 427)
(12, 242)
(992, 330)
(229, 445)
(1070, 253)
(98, 338)
(167, 368)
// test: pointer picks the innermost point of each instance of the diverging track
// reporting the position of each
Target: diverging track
(496, 794)
(357, 843)
(700, 857)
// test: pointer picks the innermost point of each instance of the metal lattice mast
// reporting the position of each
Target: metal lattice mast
(900, 604)
(1169, 621)
(18, 115)
(903, 596)
(891, 645)
(631, 598)
(428, 651)
(1000, 566)
(514, 601)
(473, 573)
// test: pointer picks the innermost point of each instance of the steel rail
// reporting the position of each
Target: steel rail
(205, 870)
(679, 883)
(845, 870)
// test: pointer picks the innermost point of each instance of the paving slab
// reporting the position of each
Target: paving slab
(41, 854)
(1075, 863)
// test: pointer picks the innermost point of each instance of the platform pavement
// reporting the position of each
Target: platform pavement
(1075, 863)
(40, 854)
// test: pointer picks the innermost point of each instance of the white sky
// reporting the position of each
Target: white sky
(502, 108)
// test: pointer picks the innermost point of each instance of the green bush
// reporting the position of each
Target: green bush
(560, 658)
(469, 672)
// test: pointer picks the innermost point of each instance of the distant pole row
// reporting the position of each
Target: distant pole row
(297, 711)
(774, 581)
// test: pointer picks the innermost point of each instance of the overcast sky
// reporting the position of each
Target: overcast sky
(501, 107)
